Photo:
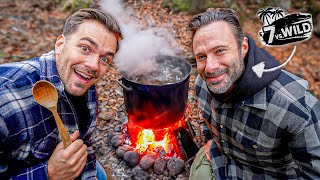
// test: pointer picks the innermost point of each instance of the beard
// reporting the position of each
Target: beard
(233, 73)
(64, 74)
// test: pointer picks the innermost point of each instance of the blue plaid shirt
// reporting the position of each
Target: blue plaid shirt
(274, 134)
(28, 134)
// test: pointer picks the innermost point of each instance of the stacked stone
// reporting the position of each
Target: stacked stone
(144, 164)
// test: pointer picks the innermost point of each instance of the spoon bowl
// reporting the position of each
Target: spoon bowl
(47, 96)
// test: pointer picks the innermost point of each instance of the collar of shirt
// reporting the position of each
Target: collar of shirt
(49, 72)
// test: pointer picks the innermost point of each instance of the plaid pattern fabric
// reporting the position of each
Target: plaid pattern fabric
(28, 134)
(274, 134)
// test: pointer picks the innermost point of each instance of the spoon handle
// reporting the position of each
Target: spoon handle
(65, 136)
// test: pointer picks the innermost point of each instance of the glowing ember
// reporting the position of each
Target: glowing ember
(146, 140)
(162, 141)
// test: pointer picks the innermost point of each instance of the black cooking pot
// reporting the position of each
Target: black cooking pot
(157, 106)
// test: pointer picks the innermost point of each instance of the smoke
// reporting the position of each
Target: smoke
(140, 44)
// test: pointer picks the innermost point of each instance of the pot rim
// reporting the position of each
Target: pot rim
(167, 84)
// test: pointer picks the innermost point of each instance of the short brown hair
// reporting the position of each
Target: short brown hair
(72, 23)
(218, 14)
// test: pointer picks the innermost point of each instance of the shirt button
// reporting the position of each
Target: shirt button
(255, 146)
(221, 126)
(222, 140)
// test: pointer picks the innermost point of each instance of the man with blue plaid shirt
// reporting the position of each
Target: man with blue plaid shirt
(261, 128)
(30, 145)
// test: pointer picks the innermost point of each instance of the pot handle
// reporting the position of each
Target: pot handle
(124, 86)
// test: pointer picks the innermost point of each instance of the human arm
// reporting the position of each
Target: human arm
(63, 164)
(38, 171)
(305, 144)
(9, 170)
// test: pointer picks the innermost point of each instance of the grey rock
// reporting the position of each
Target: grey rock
(117, 140)
(147, 161)
(159, 165)
(110, 136)
(123, 149)
(182, 177)
(131, 158)
(166, 172)
(138, 173)
(123, 118)
(175, 166)
(118, 128)
(116, 133)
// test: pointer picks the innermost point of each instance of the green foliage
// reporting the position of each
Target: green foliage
(74, 5)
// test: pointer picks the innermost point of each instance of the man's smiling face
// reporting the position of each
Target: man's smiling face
(219, 59)
(82, 58)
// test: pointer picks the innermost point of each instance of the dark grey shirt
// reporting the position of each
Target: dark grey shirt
(275, 134)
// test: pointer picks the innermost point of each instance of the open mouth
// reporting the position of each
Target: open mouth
(83, 75)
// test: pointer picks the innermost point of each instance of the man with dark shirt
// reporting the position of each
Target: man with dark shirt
(260, 128)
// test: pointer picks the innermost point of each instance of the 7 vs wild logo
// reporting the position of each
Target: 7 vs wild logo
(280, 29)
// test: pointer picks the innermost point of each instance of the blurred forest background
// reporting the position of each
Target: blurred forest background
(30, 28)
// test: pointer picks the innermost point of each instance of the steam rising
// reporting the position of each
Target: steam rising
(139, 45)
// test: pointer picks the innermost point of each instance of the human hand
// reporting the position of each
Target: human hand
(67, 163)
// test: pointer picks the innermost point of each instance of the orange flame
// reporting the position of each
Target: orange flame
(153, 140)
(146, 140)
(156, 139)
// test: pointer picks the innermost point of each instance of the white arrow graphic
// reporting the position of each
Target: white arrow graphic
(259, 68)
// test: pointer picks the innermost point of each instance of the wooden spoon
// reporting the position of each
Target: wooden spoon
(47, 96)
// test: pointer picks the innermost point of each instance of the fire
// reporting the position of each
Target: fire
(162, 141)
(146, 140)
